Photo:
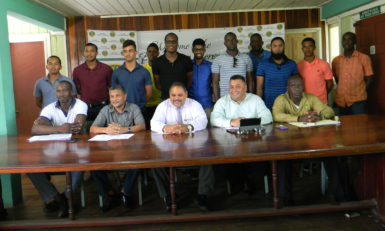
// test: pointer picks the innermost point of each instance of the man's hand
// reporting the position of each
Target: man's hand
(75, 128)
(175, 129)
(310, 116)
(236, 122)
(113, 129)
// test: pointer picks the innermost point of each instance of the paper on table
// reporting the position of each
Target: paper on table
(105, 137)
(65, 136)
(318, 123)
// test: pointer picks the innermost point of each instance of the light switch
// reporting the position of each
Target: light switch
(373, 49)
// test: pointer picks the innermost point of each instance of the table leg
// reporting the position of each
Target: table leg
(172, 191)
(274, 176)
(69, 195)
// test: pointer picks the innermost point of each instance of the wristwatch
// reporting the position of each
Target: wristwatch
(128, 129)
(190, 128)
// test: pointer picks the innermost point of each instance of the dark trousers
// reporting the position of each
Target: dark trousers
(148, 113)
(284, 172)
(356, 108)
(104, 185)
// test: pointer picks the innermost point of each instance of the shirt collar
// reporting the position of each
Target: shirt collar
(124, 66)
(111, 108)
(46, 78)
(86, 66)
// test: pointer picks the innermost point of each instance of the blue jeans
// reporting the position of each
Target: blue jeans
(104, 185)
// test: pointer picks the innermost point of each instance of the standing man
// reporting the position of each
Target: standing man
(257, 54)
(134, 78)
(45, 88)
(152, 103)
(177, 115)
(117, 118)
(352, 71)
(92, 79)
(171, 67)
(272, 75)
(295, 105)
(67, 115)
(229, 64)
(316, 74)
(200, 89)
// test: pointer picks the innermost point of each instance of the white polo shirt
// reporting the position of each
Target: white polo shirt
(54, 113)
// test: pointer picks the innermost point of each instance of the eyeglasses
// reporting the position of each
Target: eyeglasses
(235, 62)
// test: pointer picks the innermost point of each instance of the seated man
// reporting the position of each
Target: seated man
(177, 115)
(229, 110)
(117, 118)
(67, 115)
(295, 105)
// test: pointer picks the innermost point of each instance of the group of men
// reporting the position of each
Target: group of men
(174, 94)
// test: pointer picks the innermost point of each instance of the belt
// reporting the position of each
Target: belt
(90, 105)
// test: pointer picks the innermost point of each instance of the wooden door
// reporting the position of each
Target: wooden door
(293, 46)
(28, 65)
(370, 33)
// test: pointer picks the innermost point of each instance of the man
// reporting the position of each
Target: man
(295, 105)
(67, 115)
(178, 115)
(134, 78)
(117, 118)
(171, 67)
(352, 71)
(92, 79)
(45, 88)
(200, 89)
(228, 111)
(229, 64)
(152, 103)
(316, 73)
(257, 54)
(272, 75)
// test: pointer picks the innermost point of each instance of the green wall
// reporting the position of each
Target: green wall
(336, 7)
(30, 12)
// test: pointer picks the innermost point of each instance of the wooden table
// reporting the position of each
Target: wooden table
(357, 135)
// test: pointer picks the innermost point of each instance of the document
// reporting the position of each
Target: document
(314, 124)
(105, 137)
(50, 137)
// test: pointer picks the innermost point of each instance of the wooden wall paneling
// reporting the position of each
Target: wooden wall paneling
(93, 22)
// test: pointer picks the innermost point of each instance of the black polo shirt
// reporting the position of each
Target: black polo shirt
(171, 72)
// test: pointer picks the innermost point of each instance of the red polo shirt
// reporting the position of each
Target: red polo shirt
(93, 83)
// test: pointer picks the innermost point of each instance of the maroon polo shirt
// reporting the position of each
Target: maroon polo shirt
(93, 83)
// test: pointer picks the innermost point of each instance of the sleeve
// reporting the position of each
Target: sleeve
(321, 108)
(279, 112)
(46, 112)
(294, 69)
(158, 121)
(109, 75)
(155, 67)
(199, 117)
(218, 115)
(138, 117)
(328, 74)
(367, 65)
(147, 78)
(82, 108)
(189, 64)
(37, 90)
(260, 69)
(249, 64)
(263, 112)
(215, 66)
(114, 79)
(334, 67)
(73, 86)
(101, 119)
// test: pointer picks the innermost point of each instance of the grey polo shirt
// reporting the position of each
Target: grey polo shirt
(130, 116)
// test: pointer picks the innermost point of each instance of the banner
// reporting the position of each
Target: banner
(110, 42)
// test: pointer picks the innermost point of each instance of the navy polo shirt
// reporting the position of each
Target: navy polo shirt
(275, 78)
(133, 82)
(200, 89)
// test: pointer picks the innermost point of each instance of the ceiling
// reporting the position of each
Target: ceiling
(125, 8)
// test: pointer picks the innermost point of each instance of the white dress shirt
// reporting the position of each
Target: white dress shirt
(166, 114)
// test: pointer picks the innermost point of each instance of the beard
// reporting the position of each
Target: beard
(278, 56)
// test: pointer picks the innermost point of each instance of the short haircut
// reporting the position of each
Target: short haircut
(129, 42)
(92, 45)
(294, 77)
(230, 33)
(55, 57)
(66, 83)
(308, 39)
(153, 45)
(171, 33)
(351, 34)
(238, 77)
(256, 35)
(199, 42)
(178, 84)
(117, 87)
(277, 38)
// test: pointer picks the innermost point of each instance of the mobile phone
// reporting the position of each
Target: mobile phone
(73, 140)
(281, 127)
